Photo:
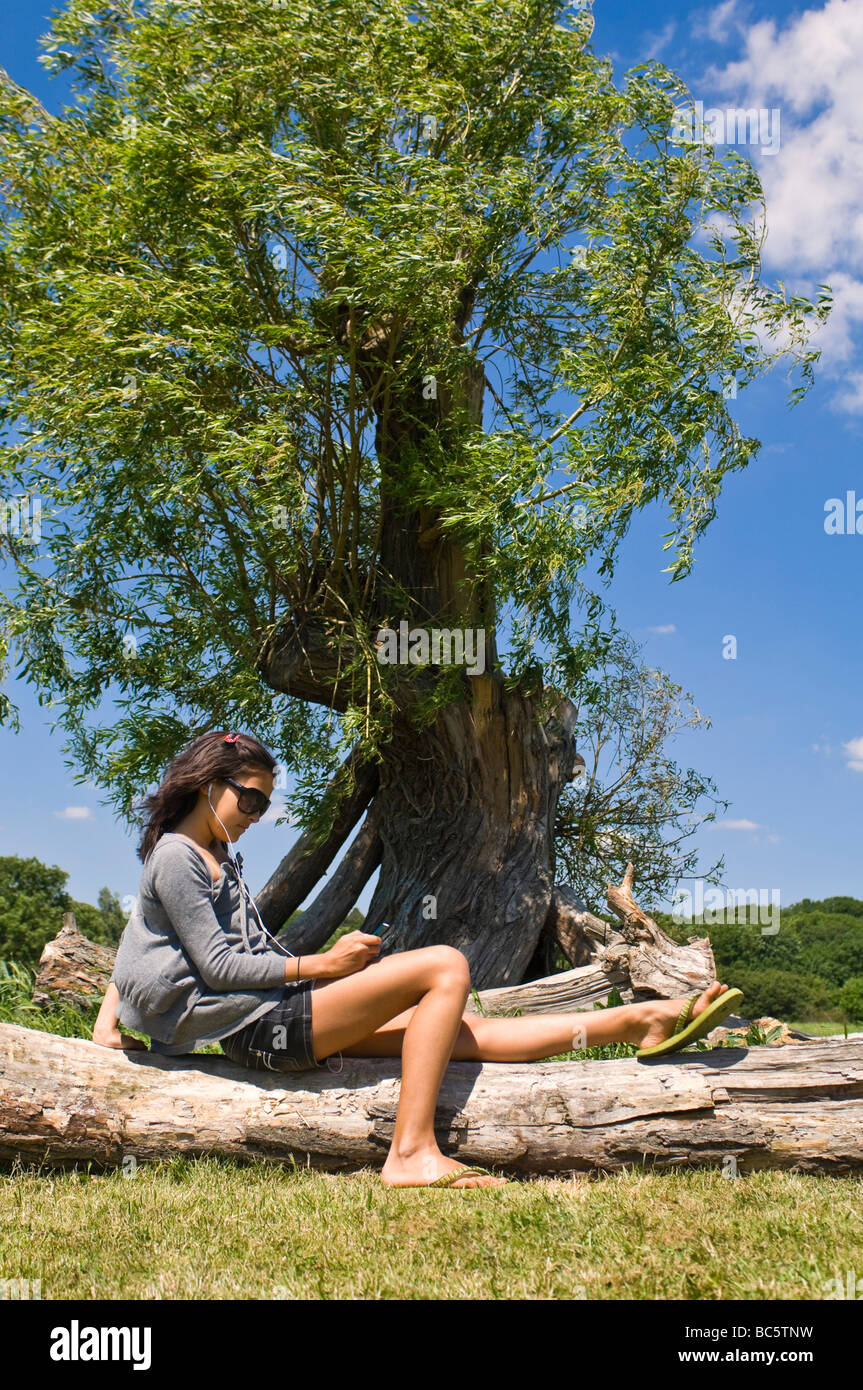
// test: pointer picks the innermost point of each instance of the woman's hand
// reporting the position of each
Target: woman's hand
(105, 1030)
(352, 952)
(112, 1037)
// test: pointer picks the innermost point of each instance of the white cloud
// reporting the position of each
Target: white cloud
(612, 844)
(854, 752)
(828, 39)
(75, 813)
(663, 630)
(719, 23)
(656, 42)
(737, 825)
(837, 337)
(851, 399)
(811, 71)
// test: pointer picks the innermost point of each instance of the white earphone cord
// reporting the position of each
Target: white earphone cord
(242, 881)
(244, 887)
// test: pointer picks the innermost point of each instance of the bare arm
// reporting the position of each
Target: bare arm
(315, 967)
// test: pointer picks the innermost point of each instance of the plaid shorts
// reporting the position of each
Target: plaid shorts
(281, 1039)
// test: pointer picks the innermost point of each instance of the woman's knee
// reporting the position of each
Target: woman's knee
(449, 962)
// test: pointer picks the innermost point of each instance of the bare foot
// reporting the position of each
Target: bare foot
(114, 1038)
(659, 1016)
(420, 1169)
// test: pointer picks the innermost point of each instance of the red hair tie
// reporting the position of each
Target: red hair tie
(231, 738)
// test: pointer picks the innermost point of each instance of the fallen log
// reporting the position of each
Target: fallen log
(65, 1101)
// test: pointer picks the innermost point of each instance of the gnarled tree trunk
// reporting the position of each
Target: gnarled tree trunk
(465, 807)
(467, 816)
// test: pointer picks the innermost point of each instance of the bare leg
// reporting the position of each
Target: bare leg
(348, 1009)
(534, 1036)
(428, 1034)
(105, 1030)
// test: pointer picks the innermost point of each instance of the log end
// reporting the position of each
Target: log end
(72, 970)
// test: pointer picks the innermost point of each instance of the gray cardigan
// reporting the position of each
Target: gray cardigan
(191, 966)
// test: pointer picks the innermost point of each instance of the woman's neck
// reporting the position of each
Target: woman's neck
(213, 845)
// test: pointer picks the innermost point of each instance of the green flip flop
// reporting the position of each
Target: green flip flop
(685, 1033)
(449, 1178)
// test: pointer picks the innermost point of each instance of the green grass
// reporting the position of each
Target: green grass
(827, 1028)
(209, 1228)
(16, 1006)
(214, 1228)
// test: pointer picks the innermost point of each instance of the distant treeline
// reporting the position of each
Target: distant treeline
(811, 969)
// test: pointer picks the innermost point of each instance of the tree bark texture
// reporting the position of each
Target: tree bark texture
(466, 824)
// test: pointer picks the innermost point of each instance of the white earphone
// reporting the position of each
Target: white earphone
(242, 881)
(244, 888)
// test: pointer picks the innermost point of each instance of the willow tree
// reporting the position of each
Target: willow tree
(318, 320)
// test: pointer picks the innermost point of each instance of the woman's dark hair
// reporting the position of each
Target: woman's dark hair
(207, 759)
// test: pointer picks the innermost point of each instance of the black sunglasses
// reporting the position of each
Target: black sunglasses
(250, 801)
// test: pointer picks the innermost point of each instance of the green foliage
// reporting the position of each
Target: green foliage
(633, 803)
(797, 973)
(613, 1000)
(353, 922)
(753, 1036)
(103, 924)
(780, 993)
(851, 998)
(228, 271)
(831, 907)
(113, 917)
(33, 899)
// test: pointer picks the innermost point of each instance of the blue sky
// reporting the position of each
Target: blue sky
(786, 742)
